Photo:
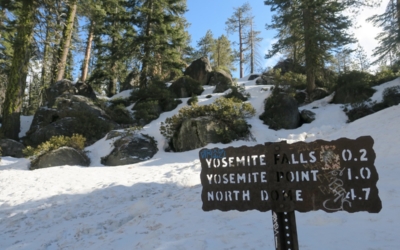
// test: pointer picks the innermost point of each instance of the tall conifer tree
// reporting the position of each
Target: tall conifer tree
(222, 55)
(19, 70)
(239, 22)
(253, 41)
(162, 37)
(319, 25)
(205, 45)
(389, 39)
(65, 41)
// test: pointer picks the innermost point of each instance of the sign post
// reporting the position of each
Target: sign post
(285, 232)
(322, 175)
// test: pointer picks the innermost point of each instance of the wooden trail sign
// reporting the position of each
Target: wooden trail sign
(322, 175)
(331, 176)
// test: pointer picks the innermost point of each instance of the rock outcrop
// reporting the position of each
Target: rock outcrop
(185, 86)
(67, 88)
(70, 115)
(221, 80)
(199, 70)
(198, 132)
(11, 148)
(131, 149)
(59, 157)
(281, 112)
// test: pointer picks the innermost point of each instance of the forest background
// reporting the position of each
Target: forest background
(117, 44)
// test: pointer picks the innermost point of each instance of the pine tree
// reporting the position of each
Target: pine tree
(343, 61)
(361, 59)
(319, 25)
(290, 37)
(162, 37)
(253, 41)
(222, 55)
(239, 22)
(7, 34)
(88, 51)
(205, 45)
(65, 41)
(19, 70)
(389, 39)
(113, 34)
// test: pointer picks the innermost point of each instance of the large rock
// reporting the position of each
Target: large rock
(11, 148)
(301, 97)
(221, 80)
(197, 132)
(60, 157)
(131, 149)
(74, 115)
(281, 112)
(86, 90)
(67, 107)
(186, 86)
(199, 70)
(307, 116)
(317, 94)
(253, 76)
(265, 79)
(63, 126)
(67, 88)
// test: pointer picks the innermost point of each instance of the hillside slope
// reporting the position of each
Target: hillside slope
(157, 205)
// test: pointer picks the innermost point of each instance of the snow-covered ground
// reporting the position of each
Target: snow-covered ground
(157, 204)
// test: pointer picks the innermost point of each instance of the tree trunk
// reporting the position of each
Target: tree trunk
(398, 19)
(44, 62)
(145, 62)
(66, 40)
(252, 48)
(2, 17)
(88, 51)
(309, 47)
(18, 72)
(240, 45)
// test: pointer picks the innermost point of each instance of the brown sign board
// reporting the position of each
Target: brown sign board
(322, 175)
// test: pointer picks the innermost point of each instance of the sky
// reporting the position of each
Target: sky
(207, 14)
(156, 204)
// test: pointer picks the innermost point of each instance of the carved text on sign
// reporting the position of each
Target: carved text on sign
(332, 176)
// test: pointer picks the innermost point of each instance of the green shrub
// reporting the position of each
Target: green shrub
(119, 114)
(147, 111)
(75, 141)
(238, 92)
(354, 78)
(120, 101)
(193, 100)
(358, 110)
(208, 96)
(153, 100)
(353, 87)
(231, 111)
(90, 125)
(294, 80)
(384, 75)
(391, 96)
(116, 109)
